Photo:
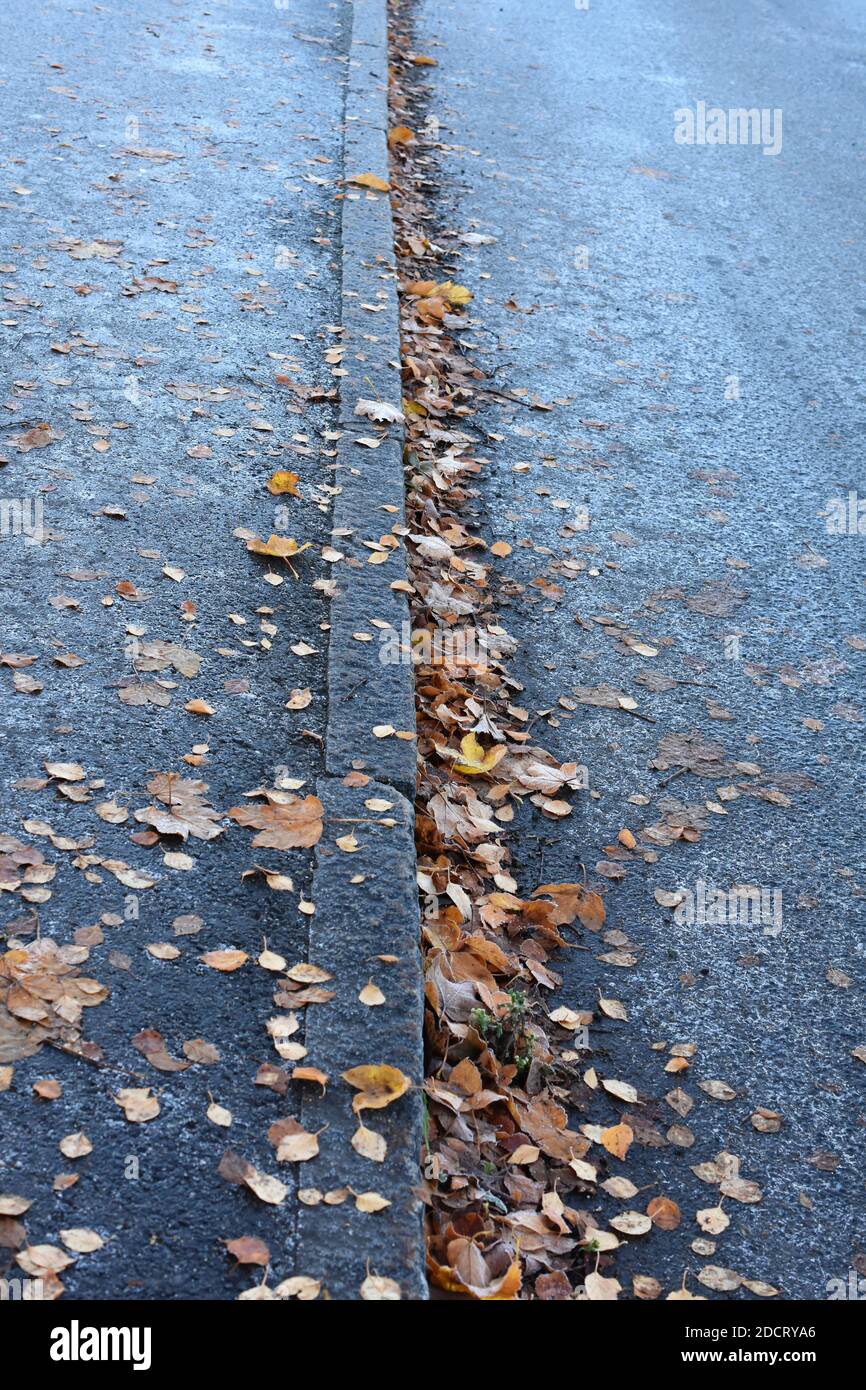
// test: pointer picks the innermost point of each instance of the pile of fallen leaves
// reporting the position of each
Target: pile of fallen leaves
(42, 999)
(501, 1161)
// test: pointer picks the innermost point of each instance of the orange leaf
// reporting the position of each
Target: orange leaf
(283, 481)
(370, 181)
(617, 1140)
(226, 961)
(664, 1213)
(573, 900)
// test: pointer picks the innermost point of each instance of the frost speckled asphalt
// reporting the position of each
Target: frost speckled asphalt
(630, 279)
(243, 221)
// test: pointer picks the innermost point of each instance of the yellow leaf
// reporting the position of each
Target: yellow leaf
(475, 759)
(278, 547)
(281, 481)
(400, 135)
(377, 1086)
(370, 181)
(455, 294)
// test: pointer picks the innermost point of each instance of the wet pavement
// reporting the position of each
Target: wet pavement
(673, 338)
(170, 307)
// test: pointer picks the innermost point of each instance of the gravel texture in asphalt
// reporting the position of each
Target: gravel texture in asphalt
(170, 269)
(684, 324)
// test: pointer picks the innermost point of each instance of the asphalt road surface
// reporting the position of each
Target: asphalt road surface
(694, 315)
(168, 177)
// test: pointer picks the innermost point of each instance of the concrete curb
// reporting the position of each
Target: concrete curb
(363, 692)
(356, 923)
(377, 914)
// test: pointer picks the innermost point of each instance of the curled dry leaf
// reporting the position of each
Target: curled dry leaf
(313, 1074)
(631, 1223)
(138, 1103)
(622, 1091)
(380, 411)
(197, 1050)
(369, 1202)
(299, 1286)
(48, 1089)
(664, 1213)
(38, 1260)
(719, 1279)
(377, 1086)
(249, 1250)
(13, 1205)
(599, 1289)
(719, 1090)
(371, 995)
(298, 1147)
(713, 1220)
(305, 973)
(368, 180)
(236, 1169)
(644, 1286)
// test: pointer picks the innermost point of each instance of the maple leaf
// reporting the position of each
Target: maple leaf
(277, 547)
(283, 482)
(186, 811)
(293, 822)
